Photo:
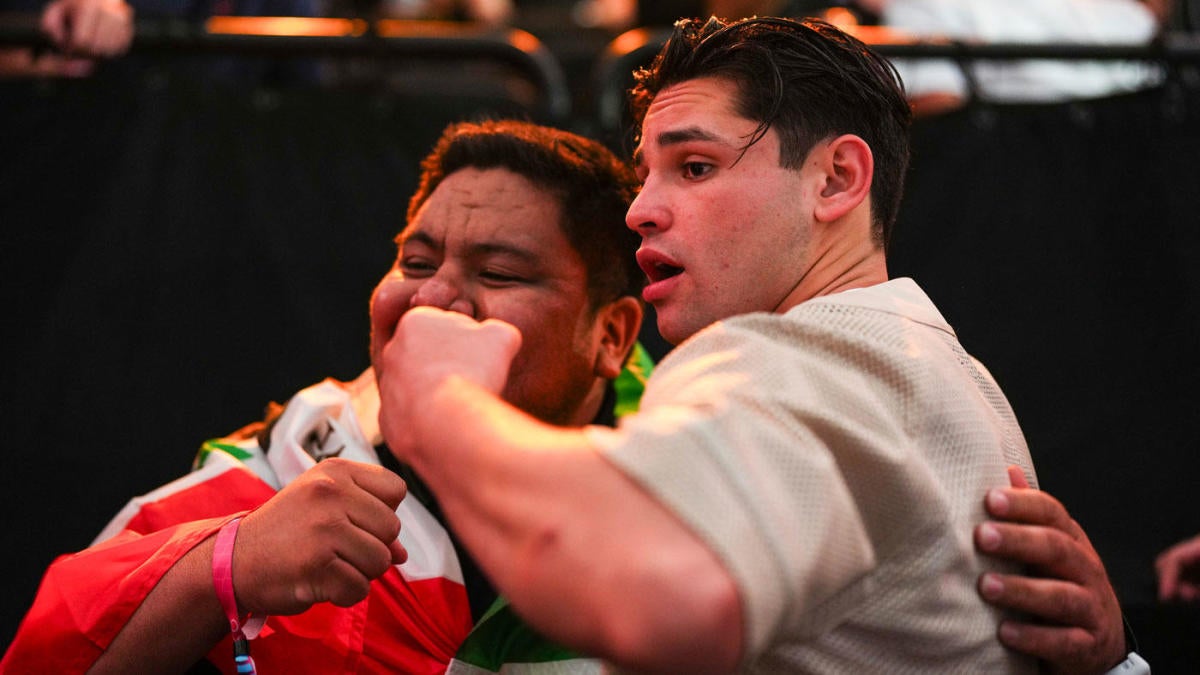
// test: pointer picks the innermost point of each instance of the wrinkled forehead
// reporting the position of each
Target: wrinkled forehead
(495, 217)
(702, 109)
(493, 203)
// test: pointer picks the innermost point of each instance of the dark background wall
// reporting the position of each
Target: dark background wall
(176, 254)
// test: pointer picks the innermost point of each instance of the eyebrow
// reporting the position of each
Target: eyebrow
(677, 136)
(476, 249)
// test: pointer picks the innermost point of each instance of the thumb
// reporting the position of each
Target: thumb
(1017, 477)
(506, 335)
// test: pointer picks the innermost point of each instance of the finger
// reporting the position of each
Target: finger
(1051, 600)
(118, 30)
(54, 23)
(370, 509)
(378, 482)
(339, 582)
(1050, 643)
(1188, 551)
(1030, 506)
(1048, 550)
(1017, 477)
(1168, 586)
(72, 67)
(369, 556)
(85, 30)
(507, 339)
(378, 527)
(506, 335)
(126, 35)
(108, 37)
(1168, 576)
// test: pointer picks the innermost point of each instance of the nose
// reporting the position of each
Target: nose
(648, 212)
(444, 291)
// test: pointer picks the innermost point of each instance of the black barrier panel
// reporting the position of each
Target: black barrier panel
(1061, 242)
(452, 52)
(176, 253)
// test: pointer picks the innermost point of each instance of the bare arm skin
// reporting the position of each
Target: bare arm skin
(583, 553)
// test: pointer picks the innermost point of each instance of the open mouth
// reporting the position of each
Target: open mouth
(656, 266)
(660, 271)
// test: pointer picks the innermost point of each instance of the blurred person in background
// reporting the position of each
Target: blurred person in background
(84, 32)
(81, 31)
(936, 86)
(491, 12)
(941, 86)
(1178, 569)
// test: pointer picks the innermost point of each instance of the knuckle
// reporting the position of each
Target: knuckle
(1058, 545)
(324, 486)
(336, 465)
(380, 563)
(393, 530)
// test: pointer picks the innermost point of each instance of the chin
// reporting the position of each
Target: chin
(678, 331)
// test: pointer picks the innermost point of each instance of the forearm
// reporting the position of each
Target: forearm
(586, 555)
(177, 623)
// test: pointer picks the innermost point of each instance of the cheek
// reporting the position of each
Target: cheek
(552, 374)
(551, 337)
(388, 303)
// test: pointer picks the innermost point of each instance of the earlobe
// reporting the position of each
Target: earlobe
(849, 168)
(620, 321)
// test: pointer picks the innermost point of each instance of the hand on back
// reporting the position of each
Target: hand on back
(1075, 623)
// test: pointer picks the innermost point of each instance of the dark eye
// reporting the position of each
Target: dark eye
(417, 268)
(499, 278)
(696, 169)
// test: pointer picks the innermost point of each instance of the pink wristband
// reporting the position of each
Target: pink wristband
(222, 566)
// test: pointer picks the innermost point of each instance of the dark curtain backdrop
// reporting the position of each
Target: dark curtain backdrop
(176, 254)
(1063, 244)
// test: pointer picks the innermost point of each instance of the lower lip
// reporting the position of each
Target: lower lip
(659, 290)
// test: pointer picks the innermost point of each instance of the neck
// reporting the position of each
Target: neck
(590, 408)
(836, 265)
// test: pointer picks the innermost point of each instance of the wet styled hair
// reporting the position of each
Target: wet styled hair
(807, 80)
(593, 186)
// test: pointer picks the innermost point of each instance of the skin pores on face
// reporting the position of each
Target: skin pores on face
(725, 229)
(487, 243)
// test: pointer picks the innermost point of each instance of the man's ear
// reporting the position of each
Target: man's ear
(848, 167)
(619, 322)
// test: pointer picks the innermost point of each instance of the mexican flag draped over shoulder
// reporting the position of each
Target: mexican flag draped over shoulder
(416, 614)
(415, 620)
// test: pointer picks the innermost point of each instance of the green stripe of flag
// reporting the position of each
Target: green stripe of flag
(215, 444)
(630, 384)
(502, 637)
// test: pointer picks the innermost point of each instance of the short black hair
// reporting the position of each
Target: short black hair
(806, 79)
(593, 186)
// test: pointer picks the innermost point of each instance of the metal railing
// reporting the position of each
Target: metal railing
(288, 37)
(637, 47)
(295, 37)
